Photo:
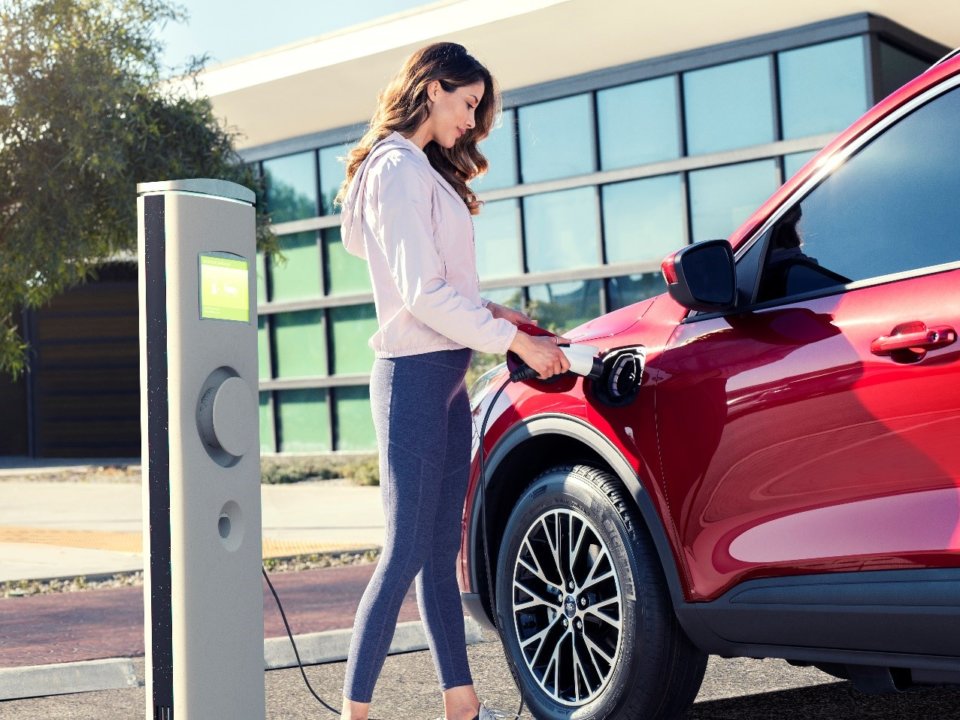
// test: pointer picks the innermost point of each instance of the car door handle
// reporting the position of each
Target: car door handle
(915, 337)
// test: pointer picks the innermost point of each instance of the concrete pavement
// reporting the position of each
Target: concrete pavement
(52, 529)
(56, 528)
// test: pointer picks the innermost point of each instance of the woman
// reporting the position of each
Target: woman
(406, 209)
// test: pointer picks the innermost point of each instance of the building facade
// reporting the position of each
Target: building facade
(593, 180)
(628, 130)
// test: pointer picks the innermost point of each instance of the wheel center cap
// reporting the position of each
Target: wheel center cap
(570, 606)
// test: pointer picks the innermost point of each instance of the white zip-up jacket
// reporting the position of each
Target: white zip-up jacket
(416, 234)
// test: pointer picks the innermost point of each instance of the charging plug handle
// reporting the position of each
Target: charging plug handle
(584, 360)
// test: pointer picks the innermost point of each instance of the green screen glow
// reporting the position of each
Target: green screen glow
(224, 288)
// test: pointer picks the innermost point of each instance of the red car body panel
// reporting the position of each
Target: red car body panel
(776, 442)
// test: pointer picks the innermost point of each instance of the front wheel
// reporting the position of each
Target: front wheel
(583, 607)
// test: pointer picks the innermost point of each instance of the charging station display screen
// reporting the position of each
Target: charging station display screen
(224, 288)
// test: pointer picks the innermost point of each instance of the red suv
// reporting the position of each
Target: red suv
(769, 465)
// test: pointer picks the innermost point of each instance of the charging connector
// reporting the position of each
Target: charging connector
(584, 360)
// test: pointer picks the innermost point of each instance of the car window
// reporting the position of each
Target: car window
(890, 208)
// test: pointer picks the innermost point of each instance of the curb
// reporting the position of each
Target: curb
(67, 678)
(332, 645)
(120, 673)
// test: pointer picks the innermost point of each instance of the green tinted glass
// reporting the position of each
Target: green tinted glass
(823, 88)
(263, 347)
(562, 306)
(628, 289)
(266, 424)
(291, 187)
(332, 174)
(300, 344)
(723, 197)
(261, 279)
(351, 328)
(728, 106)
(643, 219)
(500, 149)
(638, 123)
(556, 139)
(561, 229)
(354, 420)
(346, 273)
(497, 233)
(304, 421)
(297, 275)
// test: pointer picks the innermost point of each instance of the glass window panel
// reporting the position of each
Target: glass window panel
(354, 419)
(897, 68)
(346, 273)
(728, 106)
(643, 219)
(795, 161)
(300, 344)
(628, 289)
(497, 232)
(556, 139)
(510, 297)
(297, 275)
(500, 149)
(304, 421)
(266, 424)
(561, 230)
(261, 279)
(823, 88)
(888, 209)
(351, 328)
(723, 197)
(263, 347)
(561, 306)
(638, 123)
(291, 187)
(332, 173)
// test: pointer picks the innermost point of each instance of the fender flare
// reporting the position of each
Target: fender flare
(556, 424)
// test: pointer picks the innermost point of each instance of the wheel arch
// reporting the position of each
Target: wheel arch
(529, 448)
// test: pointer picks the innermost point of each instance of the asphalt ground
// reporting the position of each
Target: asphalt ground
(733, 690)
(103, 522)
(100, 624)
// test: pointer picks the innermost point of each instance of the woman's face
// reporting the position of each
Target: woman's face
(452, 113)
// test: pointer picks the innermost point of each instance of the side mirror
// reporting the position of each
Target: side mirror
(703, 276)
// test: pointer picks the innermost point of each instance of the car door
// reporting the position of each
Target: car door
(817, 428)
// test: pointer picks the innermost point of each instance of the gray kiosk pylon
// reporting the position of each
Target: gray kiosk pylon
(203, 596)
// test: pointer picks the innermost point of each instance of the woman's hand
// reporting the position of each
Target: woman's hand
(541, 353)
(509, 314)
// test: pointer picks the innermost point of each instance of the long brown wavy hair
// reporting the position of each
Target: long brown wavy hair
(402, 107)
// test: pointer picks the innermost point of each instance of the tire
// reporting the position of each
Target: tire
(583, 608)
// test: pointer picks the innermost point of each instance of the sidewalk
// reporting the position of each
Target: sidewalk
(72, 642)
(53, 529)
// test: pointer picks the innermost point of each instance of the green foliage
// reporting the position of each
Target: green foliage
(365, 471)
(479, 364)
(283, 469)
(85, 116)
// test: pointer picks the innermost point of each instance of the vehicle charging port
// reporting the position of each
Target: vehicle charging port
(619, 383)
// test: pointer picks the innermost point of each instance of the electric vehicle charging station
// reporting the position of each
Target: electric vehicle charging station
(203, 597)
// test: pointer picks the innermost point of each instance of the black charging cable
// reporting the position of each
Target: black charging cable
(523, 373)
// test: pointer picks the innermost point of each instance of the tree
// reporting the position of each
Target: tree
(85, 115)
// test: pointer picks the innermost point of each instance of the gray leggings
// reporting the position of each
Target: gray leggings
(422, 418)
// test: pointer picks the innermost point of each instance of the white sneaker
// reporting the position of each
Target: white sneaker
(488, 714)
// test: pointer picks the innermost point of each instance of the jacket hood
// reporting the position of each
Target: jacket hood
(351, 214)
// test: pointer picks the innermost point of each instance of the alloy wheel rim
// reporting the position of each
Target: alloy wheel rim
(567, 607)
